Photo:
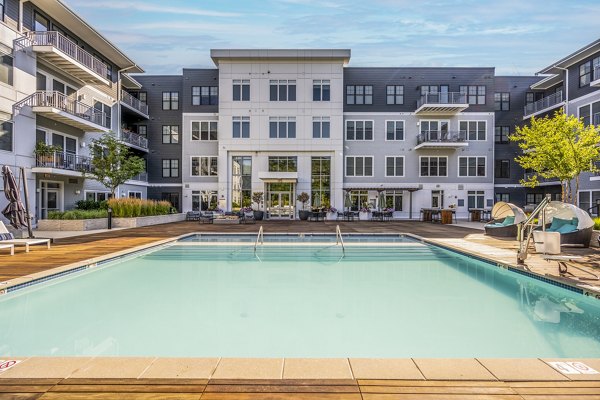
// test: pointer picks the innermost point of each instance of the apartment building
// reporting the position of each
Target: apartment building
(62, 84)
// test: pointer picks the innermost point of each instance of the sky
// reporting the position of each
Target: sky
(518, 37)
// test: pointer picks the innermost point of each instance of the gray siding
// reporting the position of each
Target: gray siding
(198, 77)
(574, 90)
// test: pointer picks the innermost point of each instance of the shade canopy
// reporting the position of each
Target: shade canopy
(502, 210)
(558, 209)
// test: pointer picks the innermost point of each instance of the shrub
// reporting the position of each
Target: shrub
(597, 223)
(87, 205)
(129, 208)
(77, 214)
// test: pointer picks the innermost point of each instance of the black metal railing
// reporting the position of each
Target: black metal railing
(442, 137)
(544, 103)
(134, 139)
(132, 102)
(62, 160)
(442, 98)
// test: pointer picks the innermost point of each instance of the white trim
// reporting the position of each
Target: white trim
(135, 191)
(359, 176)
(467, 131)
(391, 113)
(85, 192)
(436, 176)
(403, 167)
(476, 165)
(584, 97)
(200, 127)
(165, 185)
(200, 166)
(363, 121)
(201, 115)
(395, 123)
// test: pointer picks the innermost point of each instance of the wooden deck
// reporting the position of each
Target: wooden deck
(188, 389)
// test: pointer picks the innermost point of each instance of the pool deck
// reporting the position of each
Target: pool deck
(375, 379)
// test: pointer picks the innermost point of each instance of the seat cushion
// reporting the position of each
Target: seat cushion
(557, 223)
(567, 228)
(6, 236)
(510, 220)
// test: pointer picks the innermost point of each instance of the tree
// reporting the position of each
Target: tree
(112, 164)
(559, 147)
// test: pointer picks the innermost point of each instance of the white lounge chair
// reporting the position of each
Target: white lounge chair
(22, 242)
(8, 246)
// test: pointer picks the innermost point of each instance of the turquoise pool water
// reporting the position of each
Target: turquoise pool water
(409, 300)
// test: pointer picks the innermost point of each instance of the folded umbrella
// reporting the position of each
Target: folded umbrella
(14, 211)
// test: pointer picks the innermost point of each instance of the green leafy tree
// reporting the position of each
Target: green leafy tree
(559, 147)
(112, 164)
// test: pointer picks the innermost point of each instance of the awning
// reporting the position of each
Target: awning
(278, 177)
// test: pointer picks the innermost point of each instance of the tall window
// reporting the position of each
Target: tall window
(596, 68)
(142, 96)
(204, 130)
(395, 94)
(321, 127)
(529, 97)
(475, 198)
(475, 94)
(434, 166)
(585, 73)
(473, 130)
(142, 130)
(241, 90)
(241, 127)
(585, 114)
(170, 168)
(320, 172)
(170, 134)
(394, 166)
(393, 199)
(6, 136)
(205, 95)
(359, 94)
(6, 68)
(359, 130)
(534, 198)
(283, 164)
(359, 198)
(502, 169)
(282, 127)
(104, 111)
(502, 101)
(204, 166)
(359, 166)
(204, 200)
(505, 197)
(282, 90)
(471, 166)
(501, 134)
(2, 10)
(434, 130)
(170, 101)
(321, 90)
(241, 178)
(394, 130)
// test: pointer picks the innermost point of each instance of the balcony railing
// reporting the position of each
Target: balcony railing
(134, 103)
(67, 161)
(442, 98)
(64, 103)
(442, 137)
(134, 139)
(142, 177)
(542, 104)
(67, 47)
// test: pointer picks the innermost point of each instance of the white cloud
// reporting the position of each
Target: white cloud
(146, 7)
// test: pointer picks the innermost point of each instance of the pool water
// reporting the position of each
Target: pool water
(410, 300)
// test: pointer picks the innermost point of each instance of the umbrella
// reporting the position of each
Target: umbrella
(14, 211)
(381, 201)
(348, 200)
(317, 201)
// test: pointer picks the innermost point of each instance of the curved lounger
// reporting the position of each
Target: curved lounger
(496, 229)
(579, 237)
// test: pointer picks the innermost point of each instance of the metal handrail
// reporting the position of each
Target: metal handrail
(133, 102)
(134, 139)
(441, 136)
(442, 98)
(525, 234)
(544, 103)
(339, 239)
(260, 237)
(63, 160)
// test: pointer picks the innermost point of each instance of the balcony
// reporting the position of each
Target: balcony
(134, 140)
(546, 104)
(541, 181)
(59, 163)
(442, 103)
(62, 108)
(441, 140)
(596, 77)
(141, 177)
(65, 54)
(133, 104)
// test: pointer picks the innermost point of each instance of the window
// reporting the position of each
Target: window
(204, 166)
(596, 68)
(393, 199)
(471, 166)
(502, 169)
(204, 130)
(241, 127)
(434, 130)
(394, 130)
(534, 198)
(204, 200)
(321, 90)
(320, 173)
(170, 134)
(585, 73)
(395, 94)
(66, 144)
(394, 166)
(170, 101)
(241, 177)
(501, 101)
(359, 166)
(99, 107)
(142, 130)
(359, 198)
(475, 94)
(97, 196)
(2, 10)
(132, 194)
(359, 130)
(585, 114)
(505, 197)
(6, 136)
(282, 90)
(241, 90)
(475, 199)
(434, 166)
(40, 23)
(170, 168)
(529, 97)
(205, 95)
(282, 127)
(142, 96)
(501, 134)
(359, 94)
(321, 127)
(6, 68)
(171, 197)
(283, 164)
(473, 130)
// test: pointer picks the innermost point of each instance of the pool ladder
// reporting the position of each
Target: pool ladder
(339, 239)
(259, 238)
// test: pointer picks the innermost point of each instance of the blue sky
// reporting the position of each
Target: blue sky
(518, 37)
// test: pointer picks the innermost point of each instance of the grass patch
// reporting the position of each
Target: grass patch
(131, 208)
(78, 214)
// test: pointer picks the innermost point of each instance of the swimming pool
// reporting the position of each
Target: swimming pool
(396, 299)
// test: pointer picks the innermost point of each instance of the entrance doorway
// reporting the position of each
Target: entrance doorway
(437, 198)
(50, 197)
(280, 200)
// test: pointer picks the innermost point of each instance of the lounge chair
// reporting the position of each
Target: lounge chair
(8, 238)
(505, 220)
(192, 216)
(206, 217)
(574, 224)
(247, 217)
(8, 246)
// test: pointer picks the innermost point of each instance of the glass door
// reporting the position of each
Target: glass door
(437, 199)
(280, 200)
(50, 198)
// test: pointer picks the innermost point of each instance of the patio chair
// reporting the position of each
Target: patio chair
(8, 238)
(206, 217)
(247, 218)
(8, 246)
(192, 216)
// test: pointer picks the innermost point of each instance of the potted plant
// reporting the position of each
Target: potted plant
(331, 213)
(364, 212)
(303, 198)
(257, 197)
(44, 154)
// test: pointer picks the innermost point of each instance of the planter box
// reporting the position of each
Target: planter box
(331, 216)
(364, 216)
(226, 221)
(594, 240)
(145, 221)
(72, 224)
